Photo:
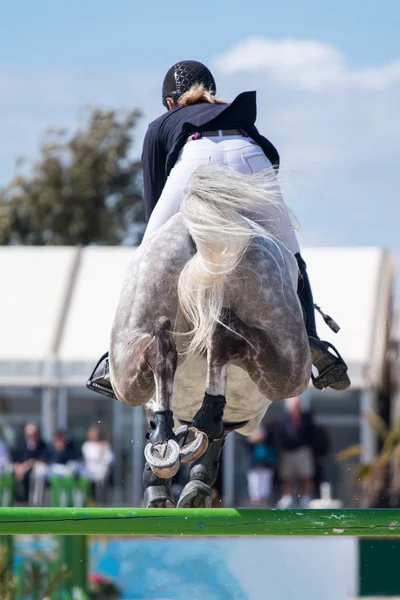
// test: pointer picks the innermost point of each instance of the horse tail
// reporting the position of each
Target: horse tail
(221, 209)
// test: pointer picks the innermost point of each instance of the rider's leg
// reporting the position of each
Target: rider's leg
(332, 370)
(168, 205)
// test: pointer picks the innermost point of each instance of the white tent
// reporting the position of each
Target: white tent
(57, 305)
(34, 287)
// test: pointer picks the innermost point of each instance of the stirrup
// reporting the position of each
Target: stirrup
(99, 381)
(332, 370)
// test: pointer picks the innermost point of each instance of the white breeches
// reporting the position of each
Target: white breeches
(235, 151)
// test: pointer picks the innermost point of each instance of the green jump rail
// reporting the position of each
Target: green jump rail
(200, 522)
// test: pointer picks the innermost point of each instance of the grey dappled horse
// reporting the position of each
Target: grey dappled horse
(213, 282)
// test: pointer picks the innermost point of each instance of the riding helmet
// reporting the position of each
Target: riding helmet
(182, 75)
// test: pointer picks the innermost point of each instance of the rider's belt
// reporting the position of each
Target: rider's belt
(221, 132)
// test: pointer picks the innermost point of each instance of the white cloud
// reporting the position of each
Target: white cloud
(308, 64)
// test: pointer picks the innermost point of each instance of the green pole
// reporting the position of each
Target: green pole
(201, 522)
(80, 498)
(69, 491)
(79, 561)
(60, 497)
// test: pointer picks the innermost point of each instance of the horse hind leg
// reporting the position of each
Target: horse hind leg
(224, 347)
(167, 449)
(197, 493)
(157, 490)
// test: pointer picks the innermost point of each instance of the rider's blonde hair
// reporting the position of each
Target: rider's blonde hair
(199, 93)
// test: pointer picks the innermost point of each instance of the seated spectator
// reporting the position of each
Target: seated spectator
(97, 456)
(262, 460)
(28, 453)
(296, 434)
(62, 452)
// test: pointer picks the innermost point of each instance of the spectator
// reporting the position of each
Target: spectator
(262, 461)
(296, 432)
(27, 454)
(98, 457)
(63, 450)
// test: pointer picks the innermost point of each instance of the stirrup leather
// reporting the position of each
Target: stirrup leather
(99, 380)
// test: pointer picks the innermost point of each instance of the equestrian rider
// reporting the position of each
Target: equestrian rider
(199, 127)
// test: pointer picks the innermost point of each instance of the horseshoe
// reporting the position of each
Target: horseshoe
(193, 443)
(163, 458)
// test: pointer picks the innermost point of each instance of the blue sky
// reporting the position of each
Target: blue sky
(327, 81)
(150, 35)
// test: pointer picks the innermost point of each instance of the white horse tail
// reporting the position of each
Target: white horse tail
(221, 209)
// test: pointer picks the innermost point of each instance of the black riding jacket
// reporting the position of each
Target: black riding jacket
(166, 136)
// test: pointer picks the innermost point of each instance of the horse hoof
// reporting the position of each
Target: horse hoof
(163, 458)
(193, 443)
(158, 496)
(195, 494)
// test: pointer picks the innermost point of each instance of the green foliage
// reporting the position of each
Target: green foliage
(40, 578)
(8, 581)
(84, 188)
(350, 452)
(390, 451)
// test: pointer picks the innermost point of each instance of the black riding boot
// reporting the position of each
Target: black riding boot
(99, 381)
(332, 370)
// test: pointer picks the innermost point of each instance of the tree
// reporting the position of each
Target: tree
(83, 189)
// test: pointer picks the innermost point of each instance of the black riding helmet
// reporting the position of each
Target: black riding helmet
(182, 75)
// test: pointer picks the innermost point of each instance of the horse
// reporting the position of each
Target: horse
(213, 284)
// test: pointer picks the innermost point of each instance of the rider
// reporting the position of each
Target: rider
(197, 127)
